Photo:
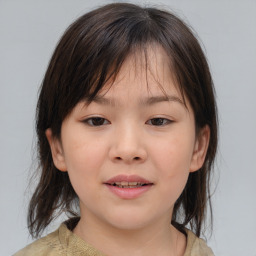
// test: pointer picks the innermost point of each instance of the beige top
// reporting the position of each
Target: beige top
(65, 242)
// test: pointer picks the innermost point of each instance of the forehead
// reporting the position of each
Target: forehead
(146, 71)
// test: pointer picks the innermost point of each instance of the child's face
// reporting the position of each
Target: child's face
(131, 133)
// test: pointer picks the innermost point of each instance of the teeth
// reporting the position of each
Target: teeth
(134, 183)
(126, 184)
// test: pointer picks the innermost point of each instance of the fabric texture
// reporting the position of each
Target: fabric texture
(64, 242)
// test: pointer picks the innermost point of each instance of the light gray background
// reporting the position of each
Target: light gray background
(29, 31)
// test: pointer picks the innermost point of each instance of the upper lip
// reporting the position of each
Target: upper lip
(128, 178)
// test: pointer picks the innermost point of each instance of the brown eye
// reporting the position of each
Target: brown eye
(159, 121)
(96, 121)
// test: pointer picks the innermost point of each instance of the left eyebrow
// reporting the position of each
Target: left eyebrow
(163, 98)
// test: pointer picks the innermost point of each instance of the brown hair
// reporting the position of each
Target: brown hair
(91, 52)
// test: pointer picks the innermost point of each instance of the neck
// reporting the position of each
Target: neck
(159, 238)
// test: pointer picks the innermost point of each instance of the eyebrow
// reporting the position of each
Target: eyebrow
(147, 101)
(156, 99)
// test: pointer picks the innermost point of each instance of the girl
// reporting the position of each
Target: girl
(127, 135)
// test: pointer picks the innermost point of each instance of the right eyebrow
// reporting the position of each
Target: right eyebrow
(102, 100)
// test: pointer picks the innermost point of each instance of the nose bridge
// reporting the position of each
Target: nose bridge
(128, 144)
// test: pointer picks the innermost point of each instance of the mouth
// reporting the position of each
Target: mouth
(127, 184)
(128, 187)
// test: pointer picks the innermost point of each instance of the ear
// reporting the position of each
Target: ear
(56, 150)
(200, 149)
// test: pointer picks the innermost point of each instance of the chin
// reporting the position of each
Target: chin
(128, 225)
(129, 220)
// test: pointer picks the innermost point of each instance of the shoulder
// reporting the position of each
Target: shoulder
(61, 242)
(49, 245)
(196, 246)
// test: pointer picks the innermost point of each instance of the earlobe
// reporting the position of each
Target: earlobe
(200, 149)
(56, 150)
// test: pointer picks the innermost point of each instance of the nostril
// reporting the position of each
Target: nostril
(135, 158)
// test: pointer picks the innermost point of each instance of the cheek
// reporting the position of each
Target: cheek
(84, 159)
(84, 153)
(83, 166)
(172, 161)
(173, 155)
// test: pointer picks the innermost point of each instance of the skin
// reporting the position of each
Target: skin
(140, 132)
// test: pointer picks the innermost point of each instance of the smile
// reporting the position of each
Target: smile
(128, 187)
(126, 184)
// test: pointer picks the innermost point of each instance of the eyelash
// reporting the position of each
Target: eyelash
(164, 121)
(91, 121)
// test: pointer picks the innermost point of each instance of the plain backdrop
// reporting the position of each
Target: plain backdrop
(29, 31)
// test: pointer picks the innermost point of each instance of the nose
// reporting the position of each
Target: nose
(128, 146)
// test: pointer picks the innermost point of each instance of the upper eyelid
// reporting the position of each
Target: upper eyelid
(171, 119)
(92, 117)
(167, 119)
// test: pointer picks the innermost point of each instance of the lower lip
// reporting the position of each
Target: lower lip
(128, 193)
